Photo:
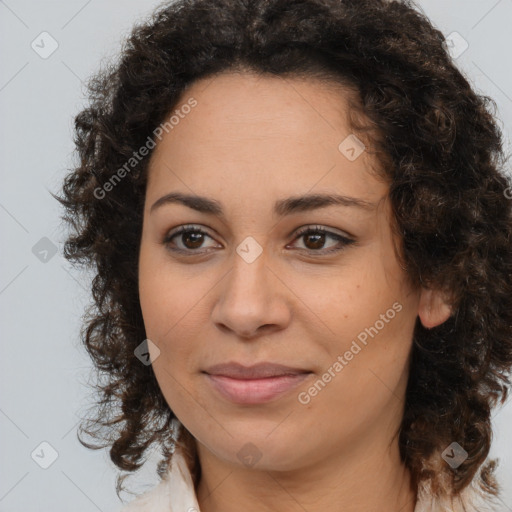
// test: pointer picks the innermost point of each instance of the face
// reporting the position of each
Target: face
(260, 276)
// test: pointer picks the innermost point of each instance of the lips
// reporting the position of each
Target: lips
(257, 371)
(255, 384)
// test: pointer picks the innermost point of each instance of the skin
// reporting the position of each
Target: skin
(249, 142)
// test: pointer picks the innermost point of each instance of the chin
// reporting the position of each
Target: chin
(260, 451)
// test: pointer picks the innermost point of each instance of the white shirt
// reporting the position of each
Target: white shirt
(175, 493)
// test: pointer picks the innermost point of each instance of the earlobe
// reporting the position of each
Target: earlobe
(433, 309)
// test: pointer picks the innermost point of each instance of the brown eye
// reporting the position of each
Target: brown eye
(192, 239)
(314, 241)
(186, 239)
(315, 238)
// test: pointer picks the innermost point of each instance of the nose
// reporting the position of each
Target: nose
(252, 300)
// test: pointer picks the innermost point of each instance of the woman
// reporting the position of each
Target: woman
(298, 218)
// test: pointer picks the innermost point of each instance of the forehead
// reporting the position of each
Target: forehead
(239, 105)
(247, 128)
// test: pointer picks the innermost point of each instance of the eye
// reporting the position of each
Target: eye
(315, 238)
(189, 239)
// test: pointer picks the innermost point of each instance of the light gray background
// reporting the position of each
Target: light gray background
(43, 368)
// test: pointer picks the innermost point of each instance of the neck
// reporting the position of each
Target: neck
(360, 479)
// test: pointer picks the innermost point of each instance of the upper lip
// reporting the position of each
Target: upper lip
(257, 371)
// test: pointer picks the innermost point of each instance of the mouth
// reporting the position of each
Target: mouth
(256, 371)
(255, 384)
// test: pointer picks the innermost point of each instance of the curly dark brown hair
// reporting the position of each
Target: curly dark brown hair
(442, 155)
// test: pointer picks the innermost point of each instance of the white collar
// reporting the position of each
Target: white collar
(175, 493)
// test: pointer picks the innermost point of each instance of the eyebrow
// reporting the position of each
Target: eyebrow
(282, 207)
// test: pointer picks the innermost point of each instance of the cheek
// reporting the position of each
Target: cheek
(371, 315)
(172, 305)
(366, 368)
(354, 296)
(165, 295)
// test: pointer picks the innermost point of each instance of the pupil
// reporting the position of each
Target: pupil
(320, 237)
(195, 243)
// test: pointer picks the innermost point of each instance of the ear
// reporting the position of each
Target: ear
(433, 309)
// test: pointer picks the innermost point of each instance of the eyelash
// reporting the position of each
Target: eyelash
(345, 241)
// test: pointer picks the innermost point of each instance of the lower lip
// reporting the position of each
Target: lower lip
(255, 391)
